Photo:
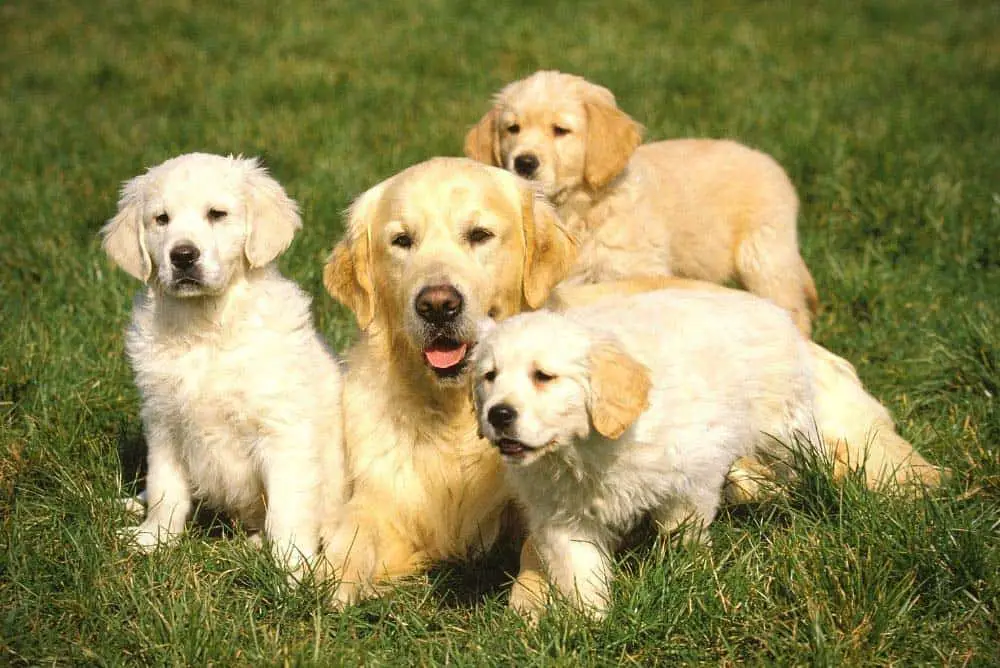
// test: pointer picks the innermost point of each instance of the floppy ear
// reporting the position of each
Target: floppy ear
(549, 249)
(612, 137)
(619, 389)
(123, 238)
(347, 274)
(482, 142)
(272, 216)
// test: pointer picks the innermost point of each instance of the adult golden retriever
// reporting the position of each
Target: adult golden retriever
(427, 255)
(706, 209)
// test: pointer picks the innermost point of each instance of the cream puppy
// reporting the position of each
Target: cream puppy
(697, 208)
(639, 406)
(240, 396)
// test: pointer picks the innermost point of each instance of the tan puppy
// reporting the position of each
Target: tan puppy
(240, 397)
(427, 255)
(707, 209)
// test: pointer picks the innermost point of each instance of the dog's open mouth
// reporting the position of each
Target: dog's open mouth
(446, 356)
(510, 447)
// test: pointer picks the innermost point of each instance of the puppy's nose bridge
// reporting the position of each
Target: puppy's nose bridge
(184, 255)
(501, 415)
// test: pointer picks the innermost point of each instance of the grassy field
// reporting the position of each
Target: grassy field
(887, 117)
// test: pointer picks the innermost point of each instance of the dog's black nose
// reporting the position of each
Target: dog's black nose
(526, 164)
(183, 256)
(501, 416)
(439, 304)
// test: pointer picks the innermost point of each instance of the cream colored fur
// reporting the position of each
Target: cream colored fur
(691, 380)
(708, 209)
(426, 487)
(240, 397)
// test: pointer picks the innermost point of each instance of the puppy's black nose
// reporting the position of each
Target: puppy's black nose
(501, 416)
(439, 304)
(526, 164)
(183, 256)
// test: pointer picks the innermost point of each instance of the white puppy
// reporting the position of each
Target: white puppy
(240, 397)
(611, 412)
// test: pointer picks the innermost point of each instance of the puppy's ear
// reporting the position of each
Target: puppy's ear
(619, 388)
(347, 274)
(123, 238)
(272, 216)
(549, 250)
(482, 143)
(612, 137)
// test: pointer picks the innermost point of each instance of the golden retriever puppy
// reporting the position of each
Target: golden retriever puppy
(707, 209)
(427, 255)
(639, 406)
(240, 397)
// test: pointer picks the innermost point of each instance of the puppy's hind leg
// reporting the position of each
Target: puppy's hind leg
(768, 264)
(690, 514)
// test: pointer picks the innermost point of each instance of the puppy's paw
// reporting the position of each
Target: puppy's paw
(147, 538)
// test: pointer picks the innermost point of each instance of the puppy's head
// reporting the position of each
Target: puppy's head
(557, 129)
(193, 222)
(433, 250)
(543, 382)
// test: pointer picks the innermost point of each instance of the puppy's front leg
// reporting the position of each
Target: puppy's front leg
(293, 486)
(579, 567)
(168, 493)
(530, 591)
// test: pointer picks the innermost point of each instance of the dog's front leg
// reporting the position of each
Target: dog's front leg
(579, 567)
(293, 487)
(530, 591)
(168, 492)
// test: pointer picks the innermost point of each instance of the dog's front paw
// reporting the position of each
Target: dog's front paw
(528, 598)
(146, 538)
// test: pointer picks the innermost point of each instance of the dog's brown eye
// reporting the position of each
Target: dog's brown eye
(478, 235)
(541, 377)
(490, 376)
(402, 240)
(559, 130)
(162, 219)
(513, 128)
(217, 214)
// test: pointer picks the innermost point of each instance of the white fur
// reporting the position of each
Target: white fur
(730, 375)
(240, 396)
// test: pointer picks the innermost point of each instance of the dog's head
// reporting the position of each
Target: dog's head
(193, 222)
(433, 250)
(557, 129)
(542, 382)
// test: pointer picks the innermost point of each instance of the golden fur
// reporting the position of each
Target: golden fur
(426, 487)
(706, 209)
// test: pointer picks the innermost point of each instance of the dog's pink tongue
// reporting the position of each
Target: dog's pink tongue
(445, 356)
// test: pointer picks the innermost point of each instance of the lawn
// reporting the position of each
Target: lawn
(885, 114)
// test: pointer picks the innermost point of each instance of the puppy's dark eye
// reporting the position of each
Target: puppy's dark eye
(217, 214)
(513, 128)
(490, 376)
(402, 240)
(478, 235)
(560, 131)
(541, 377)
(162, 219)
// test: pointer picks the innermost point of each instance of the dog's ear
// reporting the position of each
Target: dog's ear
(122, 237)
(482, 143)
(612, 137)
(347, 274)
(619, 388)
(549, 249)
(272, 216)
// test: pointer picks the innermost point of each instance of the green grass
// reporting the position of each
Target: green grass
(885, 114)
